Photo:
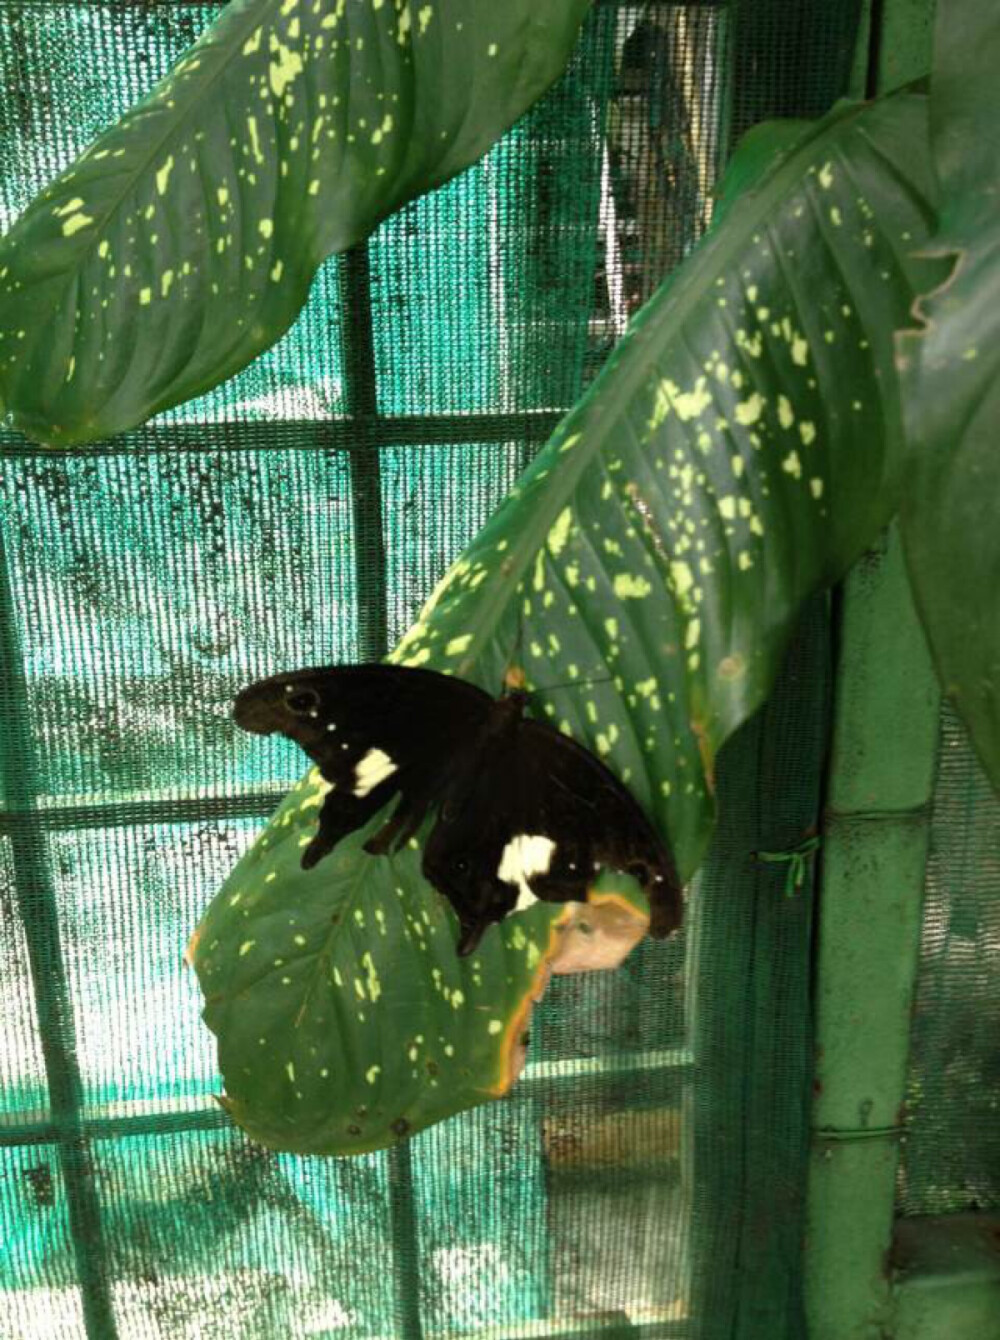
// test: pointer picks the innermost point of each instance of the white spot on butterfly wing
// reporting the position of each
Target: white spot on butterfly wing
(525, 855)
(369, 771)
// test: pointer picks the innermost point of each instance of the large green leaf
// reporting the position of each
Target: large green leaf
(184, 241)
(952, 383)
(738, 451)
(345, 1018)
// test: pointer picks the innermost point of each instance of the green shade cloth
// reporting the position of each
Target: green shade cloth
(646, 1177)
(951, 1154)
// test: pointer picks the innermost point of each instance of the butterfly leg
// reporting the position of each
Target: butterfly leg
(397, 830)
(341, 814)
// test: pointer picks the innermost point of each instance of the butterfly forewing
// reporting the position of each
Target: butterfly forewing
(373, 731)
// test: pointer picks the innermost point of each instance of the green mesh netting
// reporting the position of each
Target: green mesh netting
(647, 1174)
(951, 1155)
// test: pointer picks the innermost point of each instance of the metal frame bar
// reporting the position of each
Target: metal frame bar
(42, 1132)
(369, 431)
(361, 393)
(361, 388)
(572, 1073)
(218, 4)
(129, 813)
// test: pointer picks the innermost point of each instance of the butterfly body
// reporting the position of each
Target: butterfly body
(522, 811)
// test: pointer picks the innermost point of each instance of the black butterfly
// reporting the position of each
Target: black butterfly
(523, 812)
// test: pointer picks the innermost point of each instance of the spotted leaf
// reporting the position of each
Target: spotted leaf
(739, 450)
(345, 1018)
(184, 241)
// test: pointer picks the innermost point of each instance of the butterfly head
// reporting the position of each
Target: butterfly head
(290, 705)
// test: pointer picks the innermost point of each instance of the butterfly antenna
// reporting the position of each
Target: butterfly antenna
(572, 684)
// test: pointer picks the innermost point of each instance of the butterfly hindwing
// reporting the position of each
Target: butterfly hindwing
(600, 824)
(531, 814)
(483, 808)
(374, 731)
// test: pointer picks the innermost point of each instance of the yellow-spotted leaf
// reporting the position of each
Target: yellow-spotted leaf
(345, 1018)
(738, 451)
(183, 242)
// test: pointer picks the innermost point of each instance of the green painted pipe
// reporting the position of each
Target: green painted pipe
(874, 854)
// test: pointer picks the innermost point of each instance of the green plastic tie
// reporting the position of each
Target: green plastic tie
(798, 863)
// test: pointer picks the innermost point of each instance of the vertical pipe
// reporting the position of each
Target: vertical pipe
(875, 849)
(361, 386)
(879, 793)
(36, 904)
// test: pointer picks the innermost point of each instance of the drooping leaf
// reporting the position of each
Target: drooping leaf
(345, 1018)
(184, 241)
(739, 450)
(951, 380)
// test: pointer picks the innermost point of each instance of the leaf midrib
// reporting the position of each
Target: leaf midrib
(691, 290)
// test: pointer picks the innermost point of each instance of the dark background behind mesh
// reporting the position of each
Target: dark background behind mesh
(951, 1154)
